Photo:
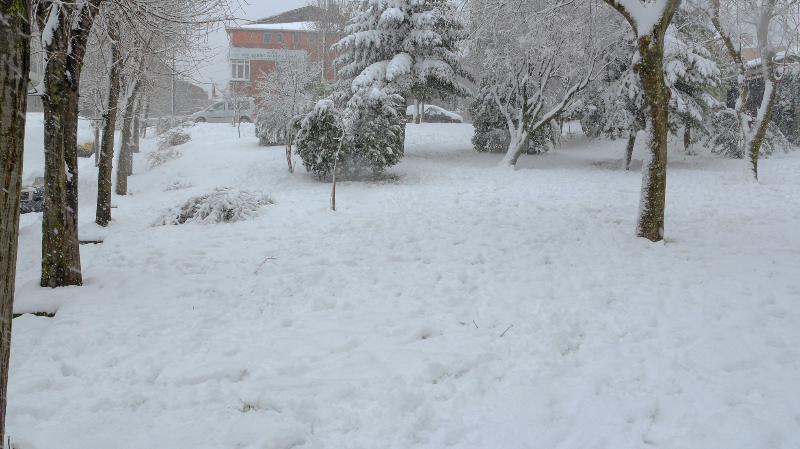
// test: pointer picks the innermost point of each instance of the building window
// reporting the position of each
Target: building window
(240, 70)
(296, 38)
(279, 38)
(268, 37)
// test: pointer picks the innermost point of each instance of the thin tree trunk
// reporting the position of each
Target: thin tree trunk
(422, 111)
(629, 149)
(146, 116)
(105, 166)
(416, 111)
(125, 165)
(15, 33)
(687, 138)
(289, 142)
(136, 124)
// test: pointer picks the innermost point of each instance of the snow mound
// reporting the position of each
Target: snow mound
(224, 204)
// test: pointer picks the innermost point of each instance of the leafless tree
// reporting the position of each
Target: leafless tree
(289, 90)
(766, 25)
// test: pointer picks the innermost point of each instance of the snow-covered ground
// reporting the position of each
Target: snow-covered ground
(388, 323)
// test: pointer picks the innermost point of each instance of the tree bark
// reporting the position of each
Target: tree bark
(105, 166)
(70, 25)
(15, 33)
(650, 68)
(289, 142)
(629, 149)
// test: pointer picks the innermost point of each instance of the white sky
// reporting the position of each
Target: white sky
(218, 70)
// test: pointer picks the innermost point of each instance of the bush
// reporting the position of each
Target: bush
(373, 142)
(165, 124)
(318, 139)
(160, 157)
(270, 128)
(223, 205)
(375, 124)
(172, 138)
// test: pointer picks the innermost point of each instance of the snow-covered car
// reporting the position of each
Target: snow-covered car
(435, 114)
(224, 112)
(31, 198)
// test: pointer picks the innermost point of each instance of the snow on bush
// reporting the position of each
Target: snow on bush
(160, 157)
(374, 134)
(173, 138)
(165, 124)
(224, 204)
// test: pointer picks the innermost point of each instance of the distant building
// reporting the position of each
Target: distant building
(255, 48)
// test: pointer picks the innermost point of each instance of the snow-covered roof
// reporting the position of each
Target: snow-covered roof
(291, 26)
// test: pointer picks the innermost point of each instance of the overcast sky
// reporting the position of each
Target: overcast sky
(218, 70)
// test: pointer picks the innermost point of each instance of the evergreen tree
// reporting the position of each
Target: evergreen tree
(405, 47)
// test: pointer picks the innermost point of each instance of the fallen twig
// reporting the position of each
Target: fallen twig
(473, 322)
(262, 263)
(504, 332)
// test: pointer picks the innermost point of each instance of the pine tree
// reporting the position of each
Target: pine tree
(406, 47)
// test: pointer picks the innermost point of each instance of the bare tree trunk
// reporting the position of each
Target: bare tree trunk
(15, 33)
(69, 26)
(146, 116)
(105, 166)
(416, 111)
(422, 111)
(289, 142)
(687, 138)
(125, 165)
(137, 112)
(650, 68)
(650, 223)
(629, 149)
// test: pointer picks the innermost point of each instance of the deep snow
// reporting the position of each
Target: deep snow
(379, 325)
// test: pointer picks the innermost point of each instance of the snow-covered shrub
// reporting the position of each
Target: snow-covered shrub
(162, 156)
(223, 205)
(172, 138)
(374, 137)
(318, 139)
(375, 126)
(167, 123)
(270, 128)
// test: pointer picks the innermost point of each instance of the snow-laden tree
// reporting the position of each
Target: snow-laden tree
(288, 91)
(406, 47)
(649, 21)
(534, 58)
(15, 32)
(616, 109)
(766, 25)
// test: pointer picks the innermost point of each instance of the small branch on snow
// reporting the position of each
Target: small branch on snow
(504, 332)
(473, 322)
(265, 261)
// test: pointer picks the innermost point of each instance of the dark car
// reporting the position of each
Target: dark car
(31, 199)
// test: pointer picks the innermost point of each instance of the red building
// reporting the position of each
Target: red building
(255, 48)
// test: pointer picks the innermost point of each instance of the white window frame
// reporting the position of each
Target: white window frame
(240, 67)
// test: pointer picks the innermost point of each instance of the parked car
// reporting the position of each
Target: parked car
(435, 114)
(31, 199)
(224, 112)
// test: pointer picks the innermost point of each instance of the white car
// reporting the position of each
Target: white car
(224, 112)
